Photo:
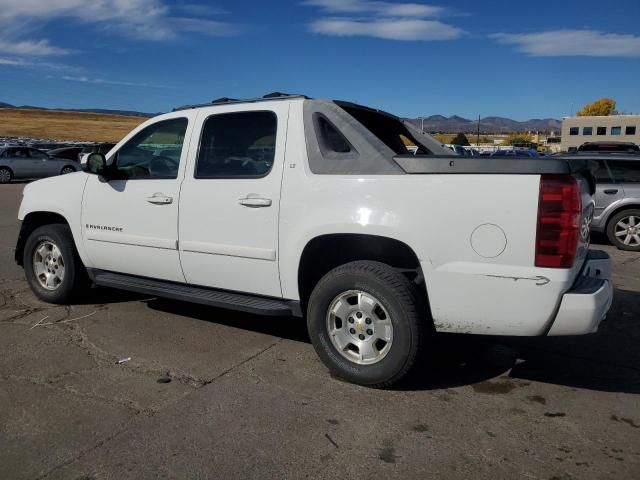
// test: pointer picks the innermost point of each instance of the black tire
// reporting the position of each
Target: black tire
(66, 170)
(398, 296)
(6, 175)
(75, 278)
(618, 241)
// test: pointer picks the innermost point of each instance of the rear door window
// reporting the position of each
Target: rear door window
(20, 153)
(602, 174)
(38, 154)
(237, 145)
(625, 171)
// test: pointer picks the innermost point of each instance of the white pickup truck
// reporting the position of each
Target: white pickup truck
(291, 206)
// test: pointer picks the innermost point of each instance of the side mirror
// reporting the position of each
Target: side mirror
(94, 163)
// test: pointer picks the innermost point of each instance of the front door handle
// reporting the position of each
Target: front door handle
(255, 202)
(611, 191)
(160, 199)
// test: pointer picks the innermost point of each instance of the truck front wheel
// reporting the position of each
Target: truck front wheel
(52, 266)
(367, 323)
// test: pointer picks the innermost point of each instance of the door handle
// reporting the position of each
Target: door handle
(255, 202)
(611, 191)
(160, 199)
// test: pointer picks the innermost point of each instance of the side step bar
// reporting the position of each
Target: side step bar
(204, 296)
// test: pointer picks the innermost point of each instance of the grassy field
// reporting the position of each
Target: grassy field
(57, 125)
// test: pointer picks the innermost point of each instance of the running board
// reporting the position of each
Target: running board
(204, 296)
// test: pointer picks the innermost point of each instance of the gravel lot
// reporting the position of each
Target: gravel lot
(215, 394)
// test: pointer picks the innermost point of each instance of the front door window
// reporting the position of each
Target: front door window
(154, 152)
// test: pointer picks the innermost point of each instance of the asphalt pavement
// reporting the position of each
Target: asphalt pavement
(208, 393)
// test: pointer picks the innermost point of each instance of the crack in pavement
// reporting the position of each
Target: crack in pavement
(128, 404)
(84, 452)
(243, 362)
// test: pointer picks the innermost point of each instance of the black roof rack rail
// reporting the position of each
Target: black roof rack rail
(282, 95)
(224, 100)
(231, 101)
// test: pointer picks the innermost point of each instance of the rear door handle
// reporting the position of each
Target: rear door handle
(160, 199)
(255, 202)
(611, 191)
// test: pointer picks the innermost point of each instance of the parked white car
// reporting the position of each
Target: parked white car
(316, 208)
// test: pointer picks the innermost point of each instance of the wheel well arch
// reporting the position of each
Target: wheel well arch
(68, 165)
(326, 252)
(621, 208)
(6, 167)
(32, 221)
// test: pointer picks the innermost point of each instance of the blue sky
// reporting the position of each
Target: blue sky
(495, 57)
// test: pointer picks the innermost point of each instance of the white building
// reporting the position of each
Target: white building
(612, 128)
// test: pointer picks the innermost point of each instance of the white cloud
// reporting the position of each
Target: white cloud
(12, 61)
(389, 29)
(152, 20)
(206, 27)
(380, 8)
(379, 19)
(31, 47)
(197, 10)
(102, 81)
(22, 62)
(566, 43)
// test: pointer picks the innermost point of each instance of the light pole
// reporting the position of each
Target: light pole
(421, 124)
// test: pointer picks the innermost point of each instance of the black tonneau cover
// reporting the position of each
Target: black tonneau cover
(435, 164)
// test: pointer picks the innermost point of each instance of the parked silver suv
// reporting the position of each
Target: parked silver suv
(617, 199)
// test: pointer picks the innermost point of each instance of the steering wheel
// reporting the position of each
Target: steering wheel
(162, 166)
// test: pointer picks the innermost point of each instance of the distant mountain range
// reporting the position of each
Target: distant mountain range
(456, 124)
(434, 123)
(126, 113)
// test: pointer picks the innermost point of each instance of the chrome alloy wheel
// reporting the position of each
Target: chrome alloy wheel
(627, 231)
(359, 327)
(5, 176)
(48, 265)
(67, 170)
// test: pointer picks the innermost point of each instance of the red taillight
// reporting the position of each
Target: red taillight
(559, 211)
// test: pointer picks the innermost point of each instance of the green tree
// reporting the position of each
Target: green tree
(602, 107)
(460, 139)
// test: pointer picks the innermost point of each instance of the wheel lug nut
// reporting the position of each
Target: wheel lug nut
(369, 332)
(352, 331)
(359, 315)
(368, 321)
(350, 319)
(361, 337)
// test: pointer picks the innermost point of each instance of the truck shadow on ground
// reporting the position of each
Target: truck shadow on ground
(105, 296)
(607, 361)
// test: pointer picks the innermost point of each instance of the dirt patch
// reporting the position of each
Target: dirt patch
(499, 388)
(537, 399)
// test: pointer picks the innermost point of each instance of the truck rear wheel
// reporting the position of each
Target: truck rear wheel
(623, 230)
(52, 266)
(367, 323)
